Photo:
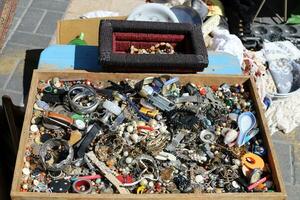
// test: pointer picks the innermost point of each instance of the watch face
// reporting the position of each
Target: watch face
(79, 124)
(60, 186)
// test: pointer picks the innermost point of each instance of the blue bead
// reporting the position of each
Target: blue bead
(267, 102)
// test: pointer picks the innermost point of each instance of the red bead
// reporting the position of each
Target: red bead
(202, 91)
(157, 187)
(125, 179)
(214, 87)
(149, 128)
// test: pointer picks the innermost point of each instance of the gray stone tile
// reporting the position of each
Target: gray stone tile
(284, 155)
(19, 11)
(7, 65)
(31, 20)
(279, 136)
(48, 25)
(30, 39)
(53, 5)
(11, 48)
(16, 81)
(3, 79)
(13, 25)
(297, 173)
(292, 192)
(17, 98)
(24, 3)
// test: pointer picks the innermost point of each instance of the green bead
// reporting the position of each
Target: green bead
(76, 116)
(48, 89)
(229, 102)
(98, 180)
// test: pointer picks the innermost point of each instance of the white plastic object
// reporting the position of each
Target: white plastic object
(153, 12)
(112, 107)
(79, 124)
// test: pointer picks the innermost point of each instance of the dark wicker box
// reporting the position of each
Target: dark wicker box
(116, 37)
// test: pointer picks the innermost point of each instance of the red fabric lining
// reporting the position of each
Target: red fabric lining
(120, 46)
(120, 36)
(123, 40)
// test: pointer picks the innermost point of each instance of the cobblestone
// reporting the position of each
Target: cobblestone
(284, 154)
(293, 192)
(16, 81)
(52, 5)
(30, 39)
(31, 20)
(48, 25)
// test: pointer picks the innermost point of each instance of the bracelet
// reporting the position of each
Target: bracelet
(81, 92)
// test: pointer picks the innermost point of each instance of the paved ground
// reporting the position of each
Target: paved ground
(33, 27)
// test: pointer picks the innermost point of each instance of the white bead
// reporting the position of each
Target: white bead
(151, 176)
(26, 171)
(27, 164)
(126, 135)
(25, 186)
(159, 157)
(233, 116)
(121, 128)
(128, 160)
(235, 184)
(151, 184)
(144, 182)
(125, 153)
(34, 128)
(129, 129)
(230, 136)
(152, 122)
(237, 162)
(134, 137)
(158, 117)
(134, 123)
(234, 167)
(35, 182)
(199, 179)
(163, 129)
(140, 123)
(33, 120)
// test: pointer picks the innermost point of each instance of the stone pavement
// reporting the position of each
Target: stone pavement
(288, 153)
(34, 26)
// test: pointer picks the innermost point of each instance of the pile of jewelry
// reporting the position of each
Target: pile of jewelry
(159, 48)
(143, 136)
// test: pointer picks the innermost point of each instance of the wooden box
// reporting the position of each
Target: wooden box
(117, 36)
(249, 84)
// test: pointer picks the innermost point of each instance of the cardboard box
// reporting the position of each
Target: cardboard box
(67, 30)
(201, 79)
